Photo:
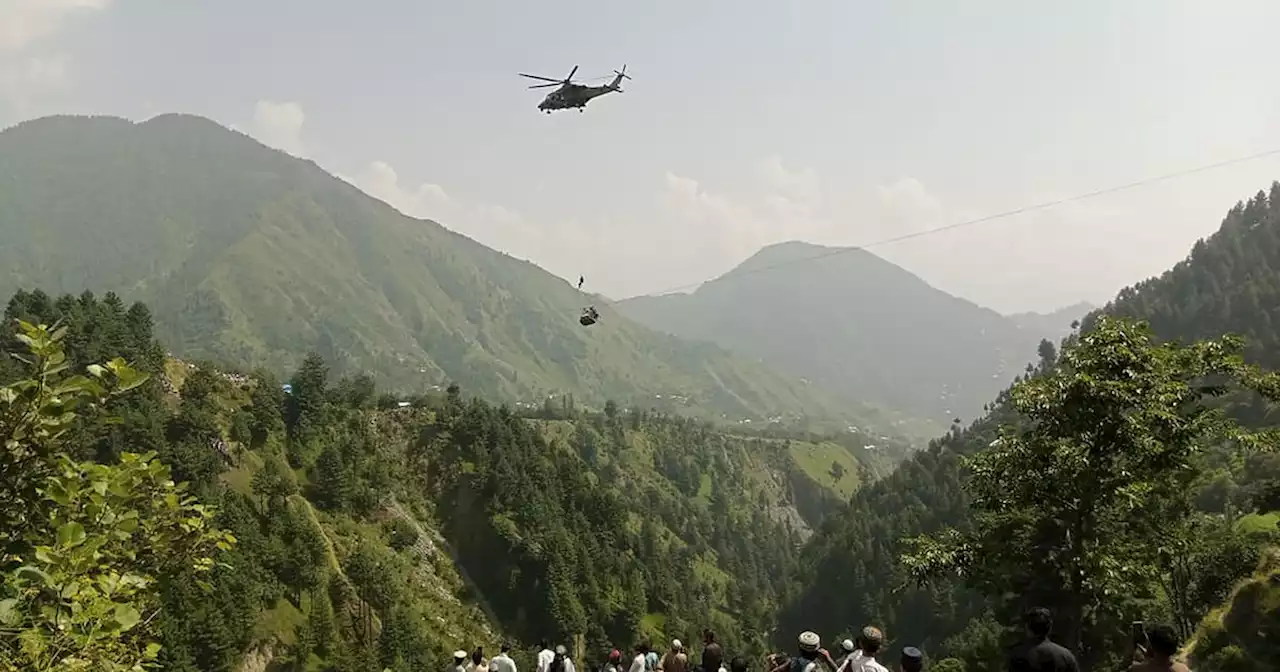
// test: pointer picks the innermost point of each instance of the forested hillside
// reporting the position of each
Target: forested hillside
(851, 321)
(251, 257)
(1229, 283)
(372, 533)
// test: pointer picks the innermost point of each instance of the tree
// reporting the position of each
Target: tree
(1072, 503)
(85, 545)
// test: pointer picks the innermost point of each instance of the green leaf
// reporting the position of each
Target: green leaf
(126, 616)
(71, 534)
(9, 614)
(34, 575)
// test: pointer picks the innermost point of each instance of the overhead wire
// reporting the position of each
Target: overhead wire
(988, 218)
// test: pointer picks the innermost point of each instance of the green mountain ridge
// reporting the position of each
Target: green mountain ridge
(249, 256)
(850, 321)
(1227, 284)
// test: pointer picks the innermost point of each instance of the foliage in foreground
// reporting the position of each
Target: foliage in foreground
(84, 545)
(1087, 506)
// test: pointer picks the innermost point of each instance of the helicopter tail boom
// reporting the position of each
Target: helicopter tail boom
(615, 85)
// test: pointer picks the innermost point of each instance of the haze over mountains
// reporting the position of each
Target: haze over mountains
(251, 257)
(850, 321)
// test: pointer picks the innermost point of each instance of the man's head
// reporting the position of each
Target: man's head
(642, 646)
(708, 636)
(561, 651)
(809, 642)
(459, 656)
(848, 646)
(506, 647)
(676, 645)
(1038, 621)
(543, 645)
(738, 664)
(912, 659)
(870, 639)
(615, 656)
(1164, 641)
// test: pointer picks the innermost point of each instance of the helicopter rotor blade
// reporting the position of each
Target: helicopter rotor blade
(545, 79)
(572, 73)
(543, 86)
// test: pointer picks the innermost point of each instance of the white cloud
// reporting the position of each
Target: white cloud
(279, 125)
(551, 246)
(27, 76)
(25, 22)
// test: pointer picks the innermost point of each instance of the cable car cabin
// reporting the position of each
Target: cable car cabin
(589, 317)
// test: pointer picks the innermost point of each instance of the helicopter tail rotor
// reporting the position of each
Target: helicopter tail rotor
(619, 75)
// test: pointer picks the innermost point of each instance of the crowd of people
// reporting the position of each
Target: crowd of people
(1036, 653)
(855, 656)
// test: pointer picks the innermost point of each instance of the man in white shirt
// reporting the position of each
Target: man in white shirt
(545, 656)
(637, 663)
(864, 659)
(503, 662)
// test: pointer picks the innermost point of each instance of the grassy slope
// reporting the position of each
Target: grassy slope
(252, 257)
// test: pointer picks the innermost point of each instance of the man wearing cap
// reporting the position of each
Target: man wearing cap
(459, 661)
(811, 654)
(847, 650)
(912, 660)
(615, 662)
(676, 660)
(864, 659)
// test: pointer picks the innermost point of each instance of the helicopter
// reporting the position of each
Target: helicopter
(571, 94)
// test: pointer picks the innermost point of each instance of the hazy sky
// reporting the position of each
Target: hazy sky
(747, 122)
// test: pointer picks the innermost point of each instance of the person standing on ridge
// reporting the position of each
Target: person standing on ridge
(912, 660)
(459, 661)
(1037, 653)
(847, 650)
(503, 662)
(1164, 646)
(811, 654)
(566, 662)
(675, 659)
(615, 662)
(712, 654)
(478, 663)
(637, 663)
(651, 661)
(864, 659)
(545, 655)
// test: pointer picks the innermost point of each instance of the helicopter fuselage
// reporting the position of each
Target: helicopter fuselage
(571, 96)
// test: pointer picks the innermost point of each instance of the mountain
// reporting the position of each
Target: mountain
(1054, 325)
(846, 319)
(372, 535)
(248, 256)
(1230, 283)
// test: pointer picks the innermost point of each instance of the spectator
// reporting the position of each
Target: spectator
(912, 660)
(503, 662)
(1164, 646)
(712, 654)
(1037, 653)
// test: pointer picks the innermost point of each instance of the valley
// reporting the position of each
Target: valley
(417, 448)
